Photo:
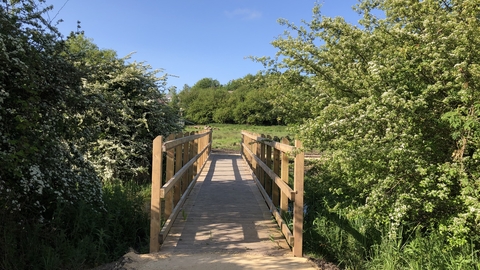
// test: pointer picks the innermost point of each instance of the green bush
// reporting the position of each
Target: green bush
(336, 232)
(76, 127)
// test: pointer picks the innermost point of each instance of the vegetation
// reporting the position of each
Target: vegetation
(226, 137)
(241, 101)
(76, 125)
(394, 107)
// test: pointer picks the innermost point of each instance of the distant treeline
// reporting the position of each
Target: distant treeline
(248, 100)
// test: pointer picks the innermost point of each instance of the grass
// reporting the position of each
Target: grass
(226, 137)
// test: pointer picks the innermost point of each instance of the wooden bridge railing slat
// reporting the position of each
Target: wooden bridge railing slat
(276, 170)
(284, 175)
(299, 174)
(284, 187)
(268, 161)
(156, 201)
(170, 168)
(181, 176)
(254, 153)
(169, 185)
(178, 166)
(280, 146)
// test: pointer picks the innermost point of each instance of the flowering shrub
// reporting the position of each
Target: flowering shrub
(393, 104)
(68, 121)
(124, 110)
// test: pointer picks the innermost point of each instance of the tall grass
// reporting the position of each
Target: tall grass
(422, 251)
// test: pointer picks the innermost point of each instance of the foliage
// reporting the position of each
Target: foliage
(226, 137)
(79, 237)
(394, 107)
(393, 104)
(125, 110)
(435, 251)
(41, 166)
(243, 101)
(71, 116)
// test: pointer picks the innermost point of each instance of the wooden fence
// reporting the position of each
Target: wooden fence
(269, 162)
(172, 180)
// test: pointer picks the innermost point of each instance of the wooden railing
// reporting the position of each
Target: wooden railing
(172, 181)
(269, 162)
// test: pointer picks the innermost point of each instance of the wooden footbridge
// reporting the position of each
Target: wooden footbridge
(226, 203)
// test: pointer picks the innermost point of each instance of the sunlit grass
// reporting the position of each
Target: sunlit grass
(227, 137)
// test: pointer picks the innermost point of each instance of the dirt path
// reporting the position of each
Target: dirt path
(214, 261)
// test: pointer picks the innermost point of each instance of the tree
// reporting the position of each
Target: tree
(206, 83)
(71, 115)
(126, 111)
(43, 171)
(393, 105)
(40, 97)
(200, 102)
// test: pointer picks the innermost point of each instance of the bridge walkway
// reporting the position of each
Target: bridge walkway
(225, 213)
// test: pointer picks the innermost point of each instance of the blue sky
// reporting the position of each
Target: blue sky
(191, 39)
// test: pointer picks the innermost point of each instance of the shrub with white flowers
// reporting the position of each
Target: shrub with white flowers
(393, 103)
(71, 120)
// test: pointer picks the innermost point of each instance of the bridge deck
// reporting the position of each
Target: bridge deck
(225, 212)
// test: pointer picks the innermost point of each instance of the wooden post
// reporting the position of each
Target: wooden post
(192, 154)
(268, 161)
(255, 152)
(299, 172)
(210, 140)
(261, 172)
(200, 159)
(249, 158)
(169, 174)
(156, 201)
(178, 166)
(242, 153)
(186, 159)
(276, 170)
(284, 176)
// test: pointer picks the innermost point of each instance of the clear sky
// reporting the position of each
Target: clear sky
(191, 39)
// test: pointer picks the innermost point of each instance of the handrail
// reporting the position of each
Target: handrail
(186, 155)
(257, 153)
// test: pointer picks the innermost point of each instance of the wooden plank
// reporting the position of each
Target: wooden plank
(175, 142)
(192, 153)
(156, 202)
(276, 170)
(284, 228)
(178, 166)
(170, 168)
(261, 174)
(257, 152)
(279, 146)
(284, 176)
(199, 146)
(186, 158)
(299, 172)
(169, 223)
(284, 187)
(167, 187)
(268, 161)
